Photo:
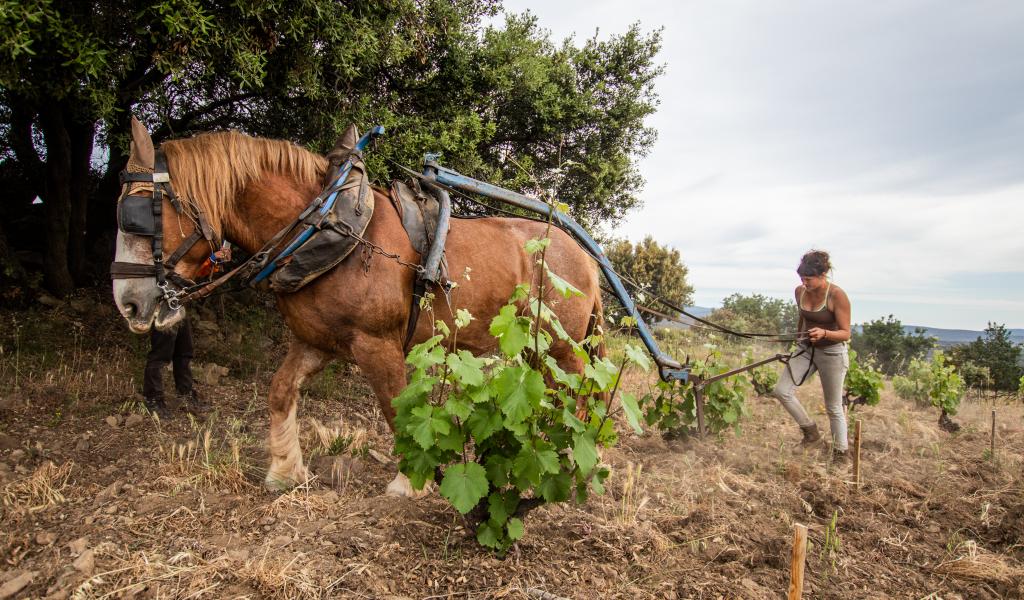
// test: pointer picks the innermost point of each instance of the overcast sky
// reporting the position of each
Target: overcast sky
(889, 133)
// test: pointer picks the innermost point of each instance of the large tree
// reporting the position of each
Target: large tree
(889, 344)
(997, 352)
(756, 314)
(506, 104)
(658, 270)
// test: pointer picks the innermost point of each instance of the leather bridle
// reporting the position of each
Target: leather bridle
(134, 213)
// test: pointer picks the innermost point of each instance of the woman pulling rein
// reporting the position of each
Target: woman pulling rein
(825, 316)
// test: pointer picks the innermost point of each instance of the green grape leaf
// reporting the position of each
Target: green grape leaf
(584, 452)
(502, 505)
(563, 287)
(458, 406)
(526, 468)
(467, 368)
(536, 245)
(512, 333)
(597, 482)
(462, 318)
(488, 534)
(464, 485)
(425, 422)
(515, 529)
(569, 380)
(442, 327)
(639, 357)
(519, 390)
(497, 469)
(603, 373)
(426, 354)
(484, 421)
(454, 440)
(632, 410)
(555, 487)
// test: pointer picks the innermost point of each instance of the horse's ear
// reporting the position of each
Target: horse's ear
(142, 145)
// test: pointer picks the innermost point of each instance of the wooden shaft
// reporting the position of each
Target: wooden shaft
(796, 564)
(856, 452)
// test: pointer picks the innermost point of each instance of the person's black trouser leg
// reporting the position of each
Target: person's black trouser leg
(160, 353)
(183, 359)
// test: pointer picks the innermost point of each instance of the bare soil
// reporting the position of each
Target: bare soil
(100, 500)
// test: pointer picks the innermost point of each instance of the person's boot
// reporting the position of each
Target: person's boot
(811, 434)
(840, 457)
(156, 404)
(191, 401)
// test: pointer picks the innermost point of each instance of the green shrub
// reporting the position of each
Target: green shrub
(673, 407)
(931, 382)
(763, 379)
(863, 383)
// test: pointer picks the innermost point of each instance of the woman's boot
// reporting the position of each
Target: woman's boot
(811, 434)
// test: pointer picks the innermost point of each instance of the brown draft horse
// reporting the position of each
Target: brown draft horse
(249, 188)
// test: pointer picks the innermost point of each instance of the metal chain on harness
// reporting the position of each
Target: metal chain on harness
(344, 229)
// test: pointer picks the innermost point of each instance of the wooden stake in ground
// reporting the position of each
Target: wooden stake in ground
(796, 564)
(992, 441)
(856, 452)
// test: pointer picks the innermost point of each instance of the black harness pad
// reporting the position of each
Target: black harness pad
(419, 213)
(332, 243)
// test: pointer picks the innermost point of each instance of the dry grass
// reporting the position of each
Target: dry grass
(199, 463)
(39, 491)
(340, 438)
(977, 564)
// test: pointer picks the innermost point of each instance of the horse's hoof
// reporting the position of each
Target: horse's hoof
(401, 486)
(275, 482)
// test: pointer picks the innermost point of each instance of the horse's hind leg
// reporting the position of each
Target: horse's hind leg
(286, 468)
(383, 363)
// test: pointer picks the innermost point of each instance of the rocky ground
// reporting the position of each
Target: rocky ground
(100, 500)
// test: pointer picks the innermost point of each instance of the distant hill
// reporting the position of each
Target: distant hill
(952, 337)
(699, 311)
(945, 337)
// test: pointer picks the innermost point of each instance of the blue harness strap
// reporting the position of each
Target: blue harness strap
(325, 200)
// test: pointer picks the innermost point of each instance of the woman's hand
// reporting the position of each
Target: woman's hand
(816, 334)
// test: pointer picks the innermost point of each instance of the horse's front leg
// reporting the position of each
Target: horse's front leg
(382, 361)
(286, 468)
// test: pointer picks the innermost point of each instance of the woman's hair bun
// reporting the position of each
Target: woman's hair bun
(814, 263)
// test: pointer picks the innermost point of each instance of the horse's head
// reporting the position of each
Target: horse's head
(160, 244)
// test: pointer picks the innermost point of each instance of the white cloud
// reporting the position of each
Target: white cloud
(890, 134)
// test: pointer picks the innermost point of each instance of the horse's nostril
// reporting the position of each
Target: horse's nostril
(130, 310)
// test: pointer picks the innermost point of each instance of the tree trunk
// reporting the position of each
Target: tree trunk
(81, 140)
(10, 266)
(56, 199)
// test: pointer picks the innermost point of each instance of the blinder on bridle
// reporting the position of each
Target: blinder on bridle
(143, 216)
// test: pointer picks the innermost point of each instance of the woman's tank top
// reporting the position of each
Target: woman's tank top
(821, 317)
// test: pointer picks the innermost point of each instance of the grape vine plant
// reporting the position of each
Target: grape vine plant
(493, 433)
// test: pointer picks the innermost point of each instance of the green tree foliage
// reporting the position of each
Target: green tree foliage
(996, 352)
(863, 383)
(504, 441)
(498, 102)
(658, 269)
(756, 313)
(885, 342)
(931, 382)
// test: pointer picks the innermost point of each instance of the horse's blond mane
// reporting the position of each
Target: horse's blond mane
(208, 171)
